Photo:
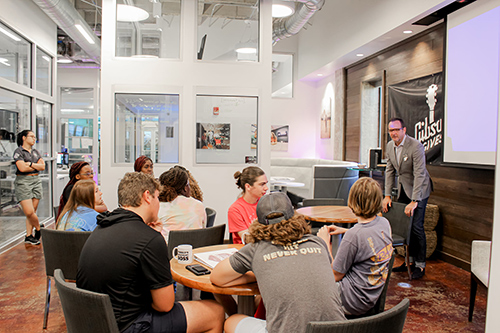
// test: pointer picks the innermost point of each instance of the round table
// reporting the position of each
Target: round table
(328, 214)
(338, 215)
(245, 292)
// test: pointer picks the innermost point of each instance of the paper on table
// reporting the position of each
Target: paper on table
(212, 258)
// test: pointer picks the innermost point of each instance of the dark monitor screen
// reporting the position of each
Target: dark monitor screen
(71, 129)
(79, 130)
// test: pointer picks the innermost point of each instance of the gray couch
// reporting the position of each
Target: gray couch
(322, 178)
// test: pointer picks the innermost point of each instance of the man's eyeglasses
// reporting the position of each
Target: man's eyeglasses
(392, 130)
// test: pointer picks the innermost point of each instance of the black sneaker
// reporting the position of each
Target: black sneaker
(37, 234)
(31, 240)
(418, 273)
(403, 268)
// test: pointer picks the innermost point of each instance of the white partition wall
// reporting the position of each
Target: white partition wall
(186, 77)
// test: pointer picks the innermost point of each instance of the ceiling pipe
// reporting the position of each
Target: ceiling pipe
(64, 14)
(289, 26)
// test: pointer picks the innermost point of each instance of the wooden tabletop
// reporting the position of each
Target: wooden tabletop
(328, 214)
(202, 282)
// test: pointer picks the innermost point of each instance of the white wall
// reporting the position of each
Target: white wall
(302, 112)
(343, 26)
(186, 77)
(29, 20)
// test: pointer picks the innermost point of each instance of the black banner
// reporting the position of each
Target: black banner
(420, 104)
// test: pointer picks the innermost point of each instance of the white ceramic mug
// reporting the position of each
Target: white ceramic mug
(183, 253)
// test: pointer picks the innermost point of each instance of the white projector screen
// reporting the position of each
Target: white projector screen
(472, 84)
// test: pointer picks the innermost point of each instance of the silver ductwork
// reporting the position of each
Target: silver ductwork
(64, 14)
(289, 26)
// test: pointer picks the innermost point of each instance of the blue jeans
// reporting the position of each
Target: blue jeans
(418, 244)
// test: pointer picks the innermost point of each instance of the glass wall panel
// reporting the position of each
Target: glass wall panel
(228, 31)
(148, 29)
(43, 129)
(77, 101)
(15, 108)
(15, 57)
(77, 124)
(43, 72)
(147, 124)
(45, 205)
(282, 75)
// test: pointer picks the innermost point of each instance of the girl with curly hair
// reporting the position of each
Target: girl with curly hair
(178, 210)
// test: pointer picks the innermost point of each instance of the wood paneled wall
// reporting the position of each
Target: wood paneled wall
(464, 195)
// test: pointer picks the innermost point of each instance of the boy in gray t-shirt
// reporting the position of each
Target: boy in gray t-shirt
(361, 264)
(291, 266)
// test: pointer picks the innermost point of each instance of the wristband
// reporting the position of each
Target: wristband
(31, 163)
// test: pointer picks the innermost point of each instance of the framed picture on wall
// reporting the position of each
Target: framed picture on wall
(279, 137)
(326, 119)
(222, 137)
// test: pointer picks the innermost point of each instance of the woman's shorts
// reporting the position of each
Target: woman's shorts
(251, 325)
(28, 187)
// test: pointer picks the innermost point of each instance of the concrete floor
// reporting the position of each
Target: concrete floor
(438, 302)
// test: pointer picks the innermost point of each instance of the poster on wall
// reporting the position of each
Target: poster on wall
(420, 104)
(213, 136)
(226, 129)
(279, 137)
(253, 136)
(326, 119)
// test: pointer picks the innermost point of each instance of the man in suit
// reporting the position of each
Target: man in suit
(406, 161)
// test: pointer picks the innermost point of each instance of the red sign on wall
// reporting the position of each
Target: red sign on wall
(216, 110)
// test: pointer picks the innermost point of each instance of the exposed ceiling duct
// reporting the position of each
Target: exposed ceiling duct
(289, 26)
(64, 14)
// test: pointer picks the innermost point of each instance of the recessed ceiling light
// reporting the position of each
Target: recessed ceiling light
(359, 55)
(282, 8)
(407, 31)
(320, 74)
(126, 13)
(246, 48)
(64, 61)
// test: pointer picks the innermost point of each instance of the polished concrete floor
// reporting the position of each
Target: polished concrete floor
(438, 302)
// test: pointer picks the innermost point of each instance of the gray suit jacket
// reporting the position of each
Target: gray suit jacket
(411, 170)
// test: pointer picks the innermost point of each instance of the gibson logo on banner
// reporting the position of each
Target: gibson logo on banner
(428, 131)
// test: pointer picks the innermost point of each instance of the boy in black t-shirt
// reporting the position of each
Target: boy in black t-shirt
(126, 258)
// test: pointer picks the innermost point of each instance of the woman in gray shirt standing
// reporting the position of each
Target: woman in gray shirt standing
(28, 183)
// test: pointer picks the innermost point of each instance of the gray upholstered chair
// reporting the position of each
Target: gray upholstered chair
(197, 238)
(380, 304)
(85, 311)
(401, 229)
(390, 321)
(211, 213)
(61, 249)
(479, 269)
